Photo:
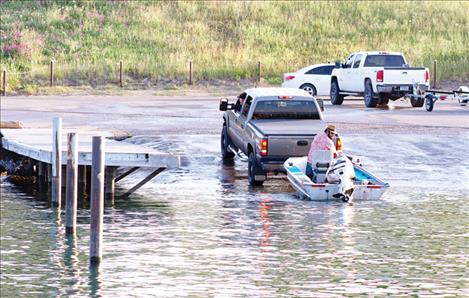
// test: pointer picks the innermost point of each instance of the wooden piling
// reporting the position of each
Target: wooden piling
(120, 74)
(97, 200)
(42, 177)
(56, 161)
(72, 183)
(51, 76)
(109, 183)
(4, 83)
(82, 178)
(434, 72)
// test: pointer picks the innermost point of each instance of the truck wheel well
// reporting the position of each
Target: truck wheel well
(333, 79)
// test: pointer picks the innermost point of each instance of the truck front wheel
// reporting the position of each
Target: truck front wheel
(371, 101)
(336, 97)
(254, 170)
(225, 143)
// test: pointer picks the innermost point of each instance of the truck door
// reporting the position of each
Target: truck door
(240, 123)
(233, 118)
(345, 76)
(356, 78)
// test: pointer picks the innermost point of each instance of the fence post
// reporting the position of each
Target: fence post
(4, 83)
(72, 183)
(434, 73)
(120, 74)
(258, 73)
(97, 200)
(190, 72)
(51, 76)
(56, 161)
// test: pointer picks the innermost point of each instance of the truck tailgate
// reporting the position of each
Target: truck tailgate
(404, 76)
(289, 145)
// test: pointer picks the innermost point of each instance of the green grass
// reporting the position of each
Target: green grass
(225, 39)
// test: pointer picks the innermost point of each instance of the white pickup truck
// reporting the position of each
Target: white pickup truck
(378, 77)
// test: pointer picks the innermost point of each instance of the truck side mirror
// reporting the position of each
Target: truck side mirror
(321, 104)
(224, 105)
(337, 64)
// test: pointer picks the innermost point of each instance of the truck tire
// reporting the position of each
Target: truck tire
(253, 170)
(417, 102)
(371, 101)
(309, 88)
(336, 97)
(226, 154)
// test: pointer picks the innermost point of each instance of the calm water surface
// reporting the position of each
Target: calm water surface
(202, 231)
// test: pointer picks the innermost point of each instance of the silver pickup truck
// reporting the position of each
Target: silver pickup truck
(269, 125)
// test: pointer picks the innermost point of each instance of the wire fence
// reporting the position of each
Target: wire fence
(60, 75)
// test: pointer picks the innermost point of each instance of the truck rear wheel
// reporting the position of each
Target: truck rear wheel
(371, 101)
(225, 143)
(336, 97)
(417, 102)
(254, 170)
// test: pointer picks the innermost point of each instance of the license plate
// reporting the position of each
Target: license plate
(404, 88)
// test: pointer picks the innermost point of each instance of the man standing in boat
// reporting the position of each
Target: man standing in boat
(322, 141)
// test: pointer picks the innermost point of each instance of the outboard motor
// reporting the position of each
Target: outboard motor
(342, 172)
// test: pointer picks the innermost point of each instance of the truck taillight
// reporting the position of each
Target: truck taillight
(289, 78)
(427, 76)
(338, 144)
(263, 144)
(380, 76)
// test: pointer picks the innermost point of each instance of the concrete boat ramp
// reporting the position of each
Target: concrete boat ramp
(37, 146)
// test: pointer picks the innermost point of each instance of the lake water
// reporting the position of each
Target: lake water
(201, 231)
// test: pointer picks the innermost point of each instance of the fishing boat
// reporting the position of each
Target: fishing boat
(349, 183)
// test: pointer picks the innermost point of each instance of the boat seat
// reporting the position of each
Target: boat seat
(321, 162)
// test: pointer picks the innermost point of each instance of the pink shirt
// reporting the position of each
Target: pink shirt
(321, 142)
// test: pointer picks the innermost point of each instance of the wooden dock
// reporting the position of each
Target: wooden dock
(36, 144)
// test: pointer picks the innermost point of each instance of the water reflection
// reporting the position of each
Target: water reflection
(264, 208)
(95, 280)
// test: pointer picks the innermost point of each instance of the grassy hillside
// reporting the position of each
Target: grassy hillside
(224, 39)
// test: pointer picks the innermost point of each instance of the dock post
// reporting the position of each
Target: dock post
(82, 178)
(109, 183)
(42, 177)
(72, 183)
(56, 161)
(97, 200)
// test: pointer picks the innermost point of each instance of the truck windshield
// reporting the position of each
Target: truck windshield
(384, 60)
(285, 109)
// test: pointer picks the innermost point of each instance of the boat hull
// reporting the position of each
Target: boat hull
(366, 185)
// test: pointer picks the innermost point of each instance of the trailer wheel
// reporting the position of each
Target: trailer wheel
(371, 101)
(254, 170)
(429, 103)
(417, 102)
(225, 143)
(336, 98)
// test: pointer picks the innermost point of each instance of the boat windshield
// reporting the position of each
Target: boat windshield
(286, 109)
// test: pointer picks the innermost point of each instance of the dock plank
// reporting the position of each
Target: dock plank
(37, 144)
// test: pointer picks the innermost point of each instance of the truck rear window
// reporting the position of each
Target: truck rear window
(285, 109)
(384, 61)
